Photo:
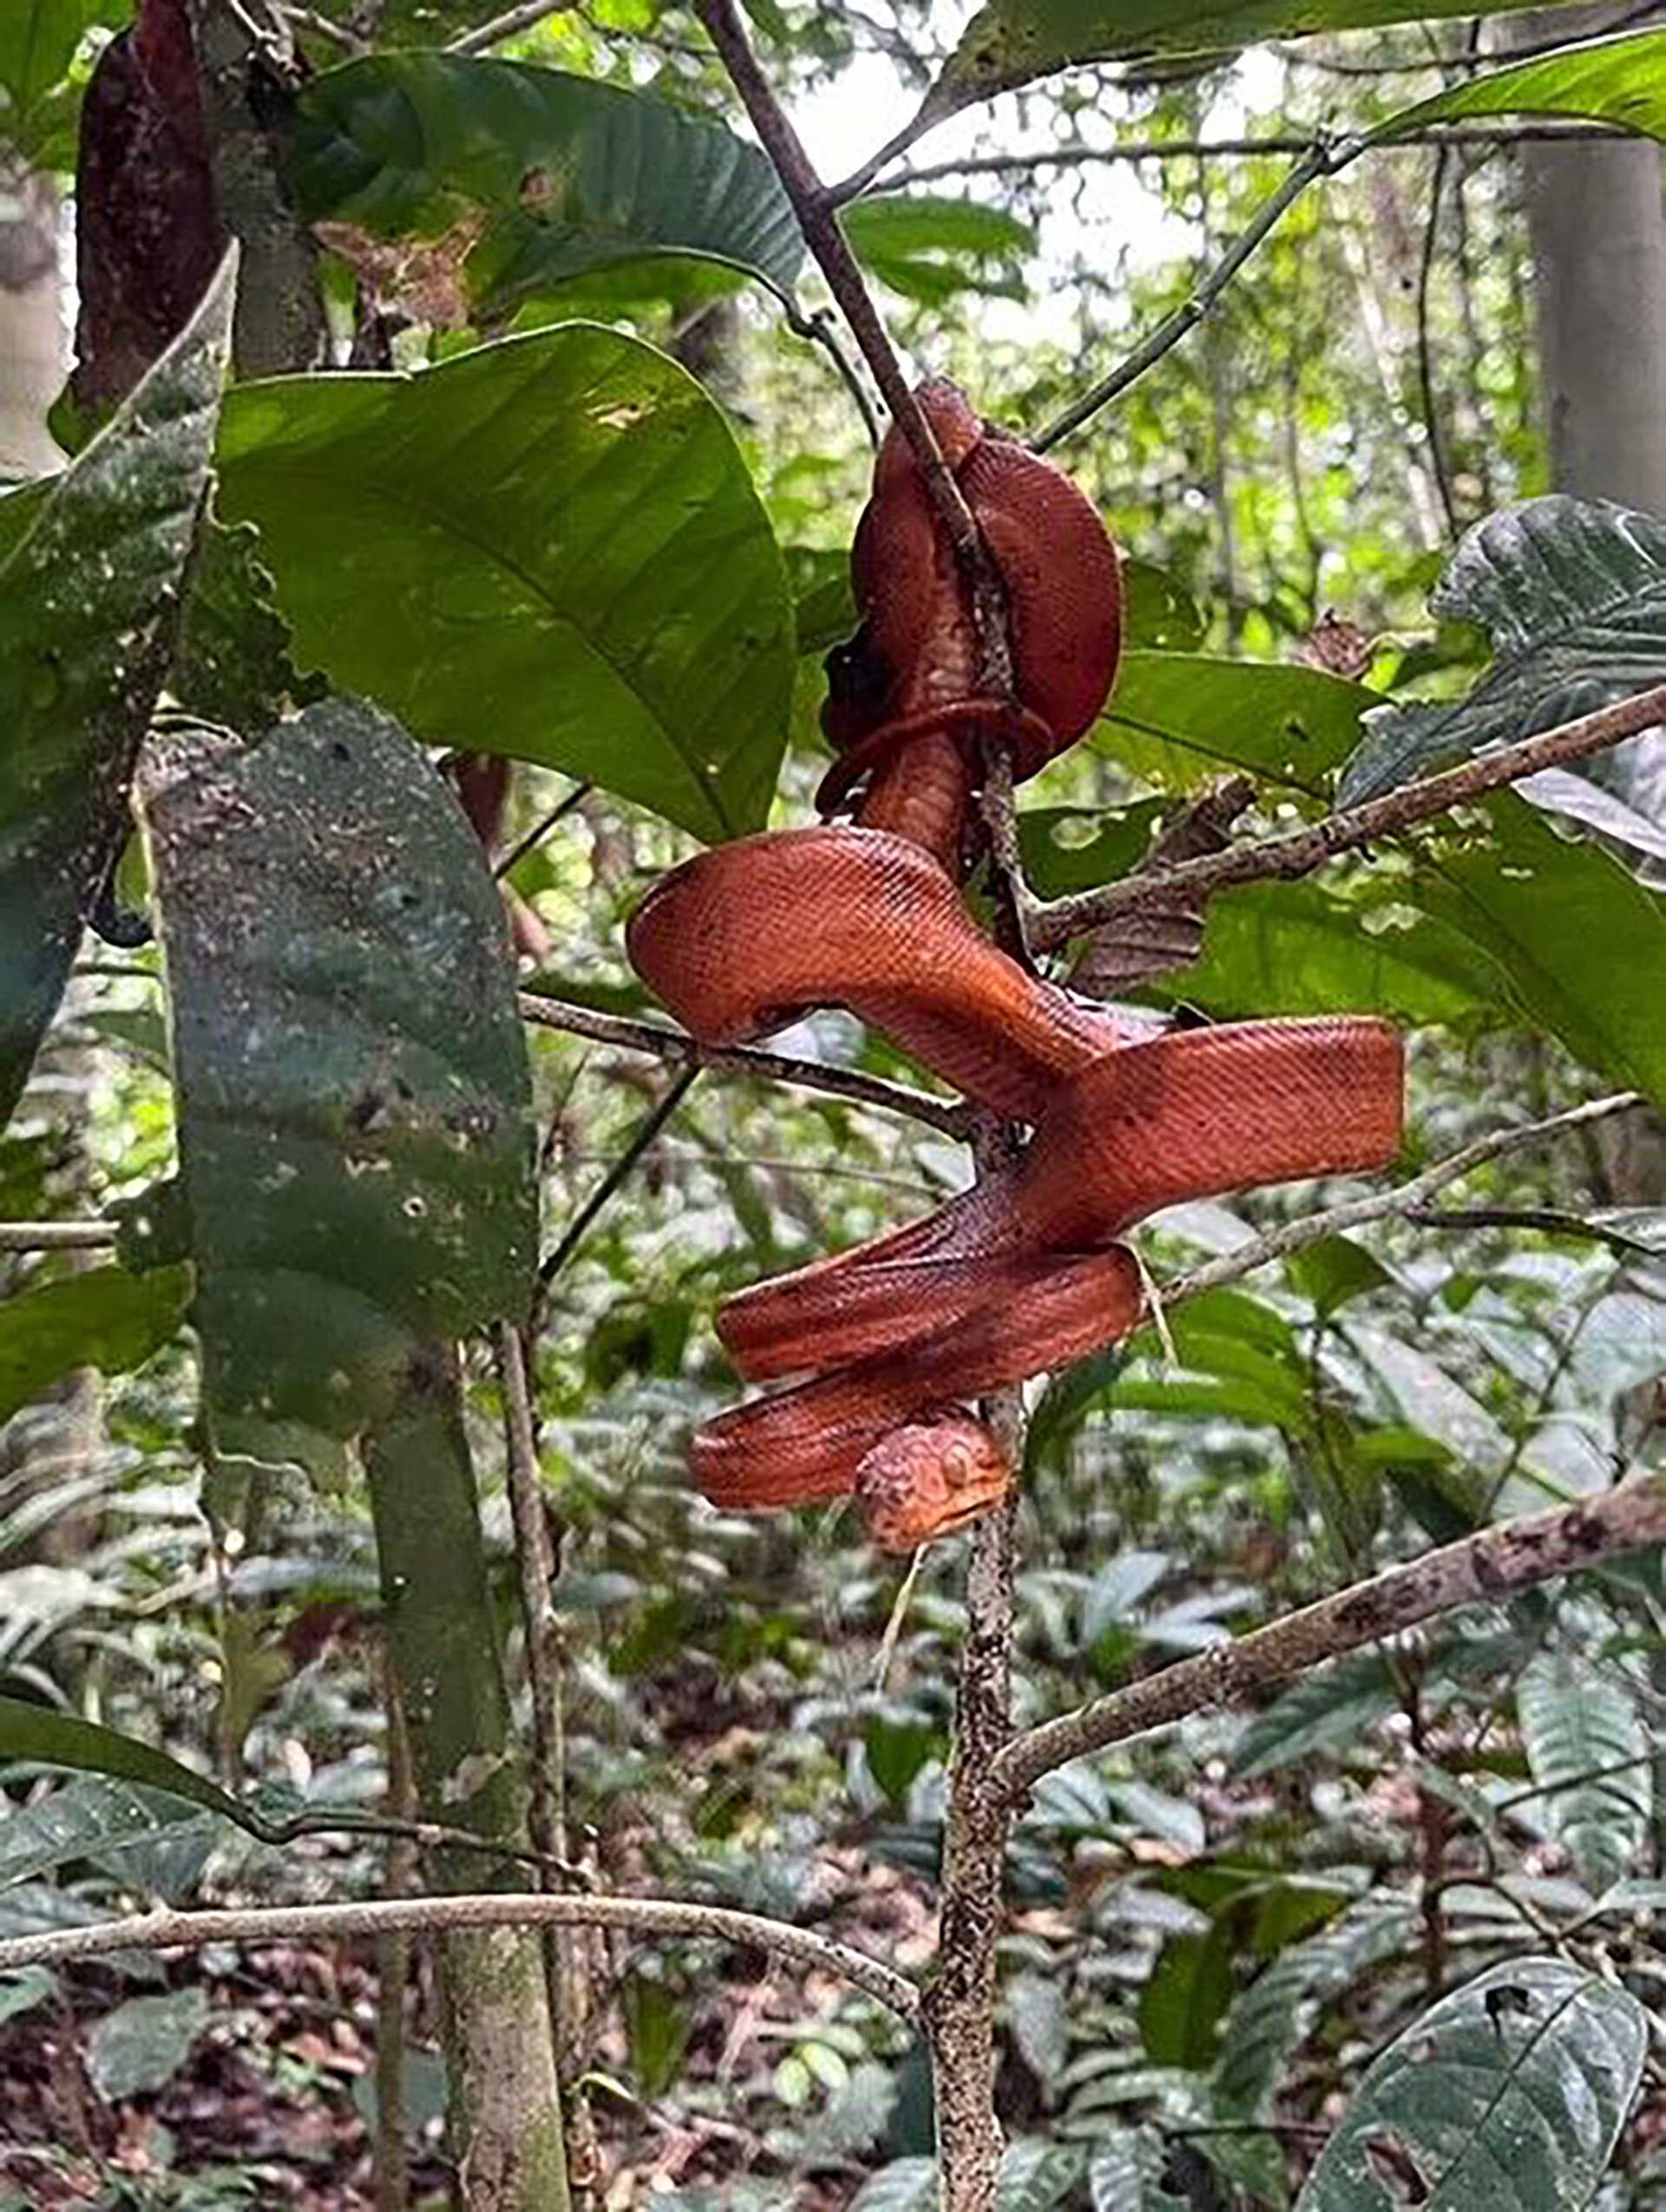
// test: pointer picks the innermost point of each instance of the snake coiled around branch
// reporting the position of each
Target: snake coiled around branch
(1025, 1271)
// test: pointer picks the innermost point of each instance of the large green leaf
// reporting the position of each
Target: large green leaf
(1577, 1727)
(562, 176)
(566, 511)
(143, 2042)
(1178, 720)
(105, 1319)
(356, 1135)
(1299, 948)
(91, 568)
(1506, 2096)
(1573, 594)
(1619, 81)
(1580, 945)
(1184, 1997)
(1010, 42)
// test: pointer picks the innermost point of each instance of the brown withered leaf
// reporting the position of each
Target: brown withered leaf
(1337, 646)
(419, 278)
(1168, 932)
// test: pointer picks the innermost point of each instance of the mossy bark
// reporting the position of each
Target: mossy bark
(445, 1657)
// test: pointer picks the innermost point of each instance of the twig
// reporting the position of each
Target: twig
(1546, 1219)
(818, 218)
(951, 1116)
(818, 328)
(171, 1931)
(1300, 851)
(641, 1137)
(535, 1561)
(960, 2006)
(1406, 1200)
(540, 829)
(1322, 159)
(1479, 1569)
(56, 1236)
(1204, 149)
(510, 24)
(333, 33)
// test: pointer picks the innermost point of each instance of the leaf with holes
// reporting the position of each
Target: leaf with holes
(91, 571)
(1589, 1752)
(535, 175)
(1573, 596)
(1506, 2096)
(356, 1135)
(568, 508)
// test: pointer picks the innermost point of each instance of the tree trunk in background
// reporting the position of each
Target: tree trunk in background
(1598, 225)
(33, 355)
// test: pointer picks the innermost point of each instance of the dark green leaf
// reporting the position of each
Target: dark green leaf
(1506, 2096)
(565, 175)
(1301, 948)
(1334, 1705)
(104, 1317)
(1178, 720)
(232, 665)
(89, 596)
(355, 1123)
(142, 2045)
(1579, 944)
(1036, 2175)
(1573, 595)
(896, 1752)
(1578, 1726)
(1333, 1272)
(1280, 2008)
(21, 1993)
(568, 508)
(40, 1737)
(906, 2185)
(1181, 2004)
(84, 1820)
(1041, 2024)
(1125, 2174)
(1620, 81)
(1076, 848)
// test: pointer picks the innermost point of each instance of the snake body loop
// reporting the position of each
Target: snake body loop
(1023, 1271)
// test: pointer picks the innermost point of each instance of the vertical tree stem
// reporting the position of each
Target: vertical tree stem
(445, 1659)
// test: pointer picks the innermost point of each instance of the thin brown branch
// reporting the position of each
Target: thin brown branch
(1549, 1221)
(1322, 159)
(56, 1236)
(658, 1039)
(1406, 1200)
(1484, 1568)
(535, 1561)
(641, 1916)
(818, 219)
(1205, 149)
(641, 1137)
(1300, 851)
(510, 24)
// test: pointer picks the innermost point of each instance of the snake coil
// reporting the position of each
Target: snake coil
(1024, 1271)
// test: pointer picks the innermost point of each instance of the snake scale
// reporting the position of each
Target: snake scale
(1023, 1271)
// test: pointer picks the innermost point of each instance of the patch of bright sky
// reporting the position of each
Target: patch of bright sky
(846, 121)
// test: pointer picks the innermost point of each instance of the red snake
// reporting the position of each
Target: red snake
(1022, 1271)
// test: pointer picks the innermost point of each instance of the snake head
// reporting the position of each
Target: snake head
(928, 1479)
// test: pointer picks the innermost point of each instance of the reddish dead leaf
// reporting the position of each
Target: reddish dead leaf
(1338, 647)
(418, 280)
(1168, 933)
(148, 233)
